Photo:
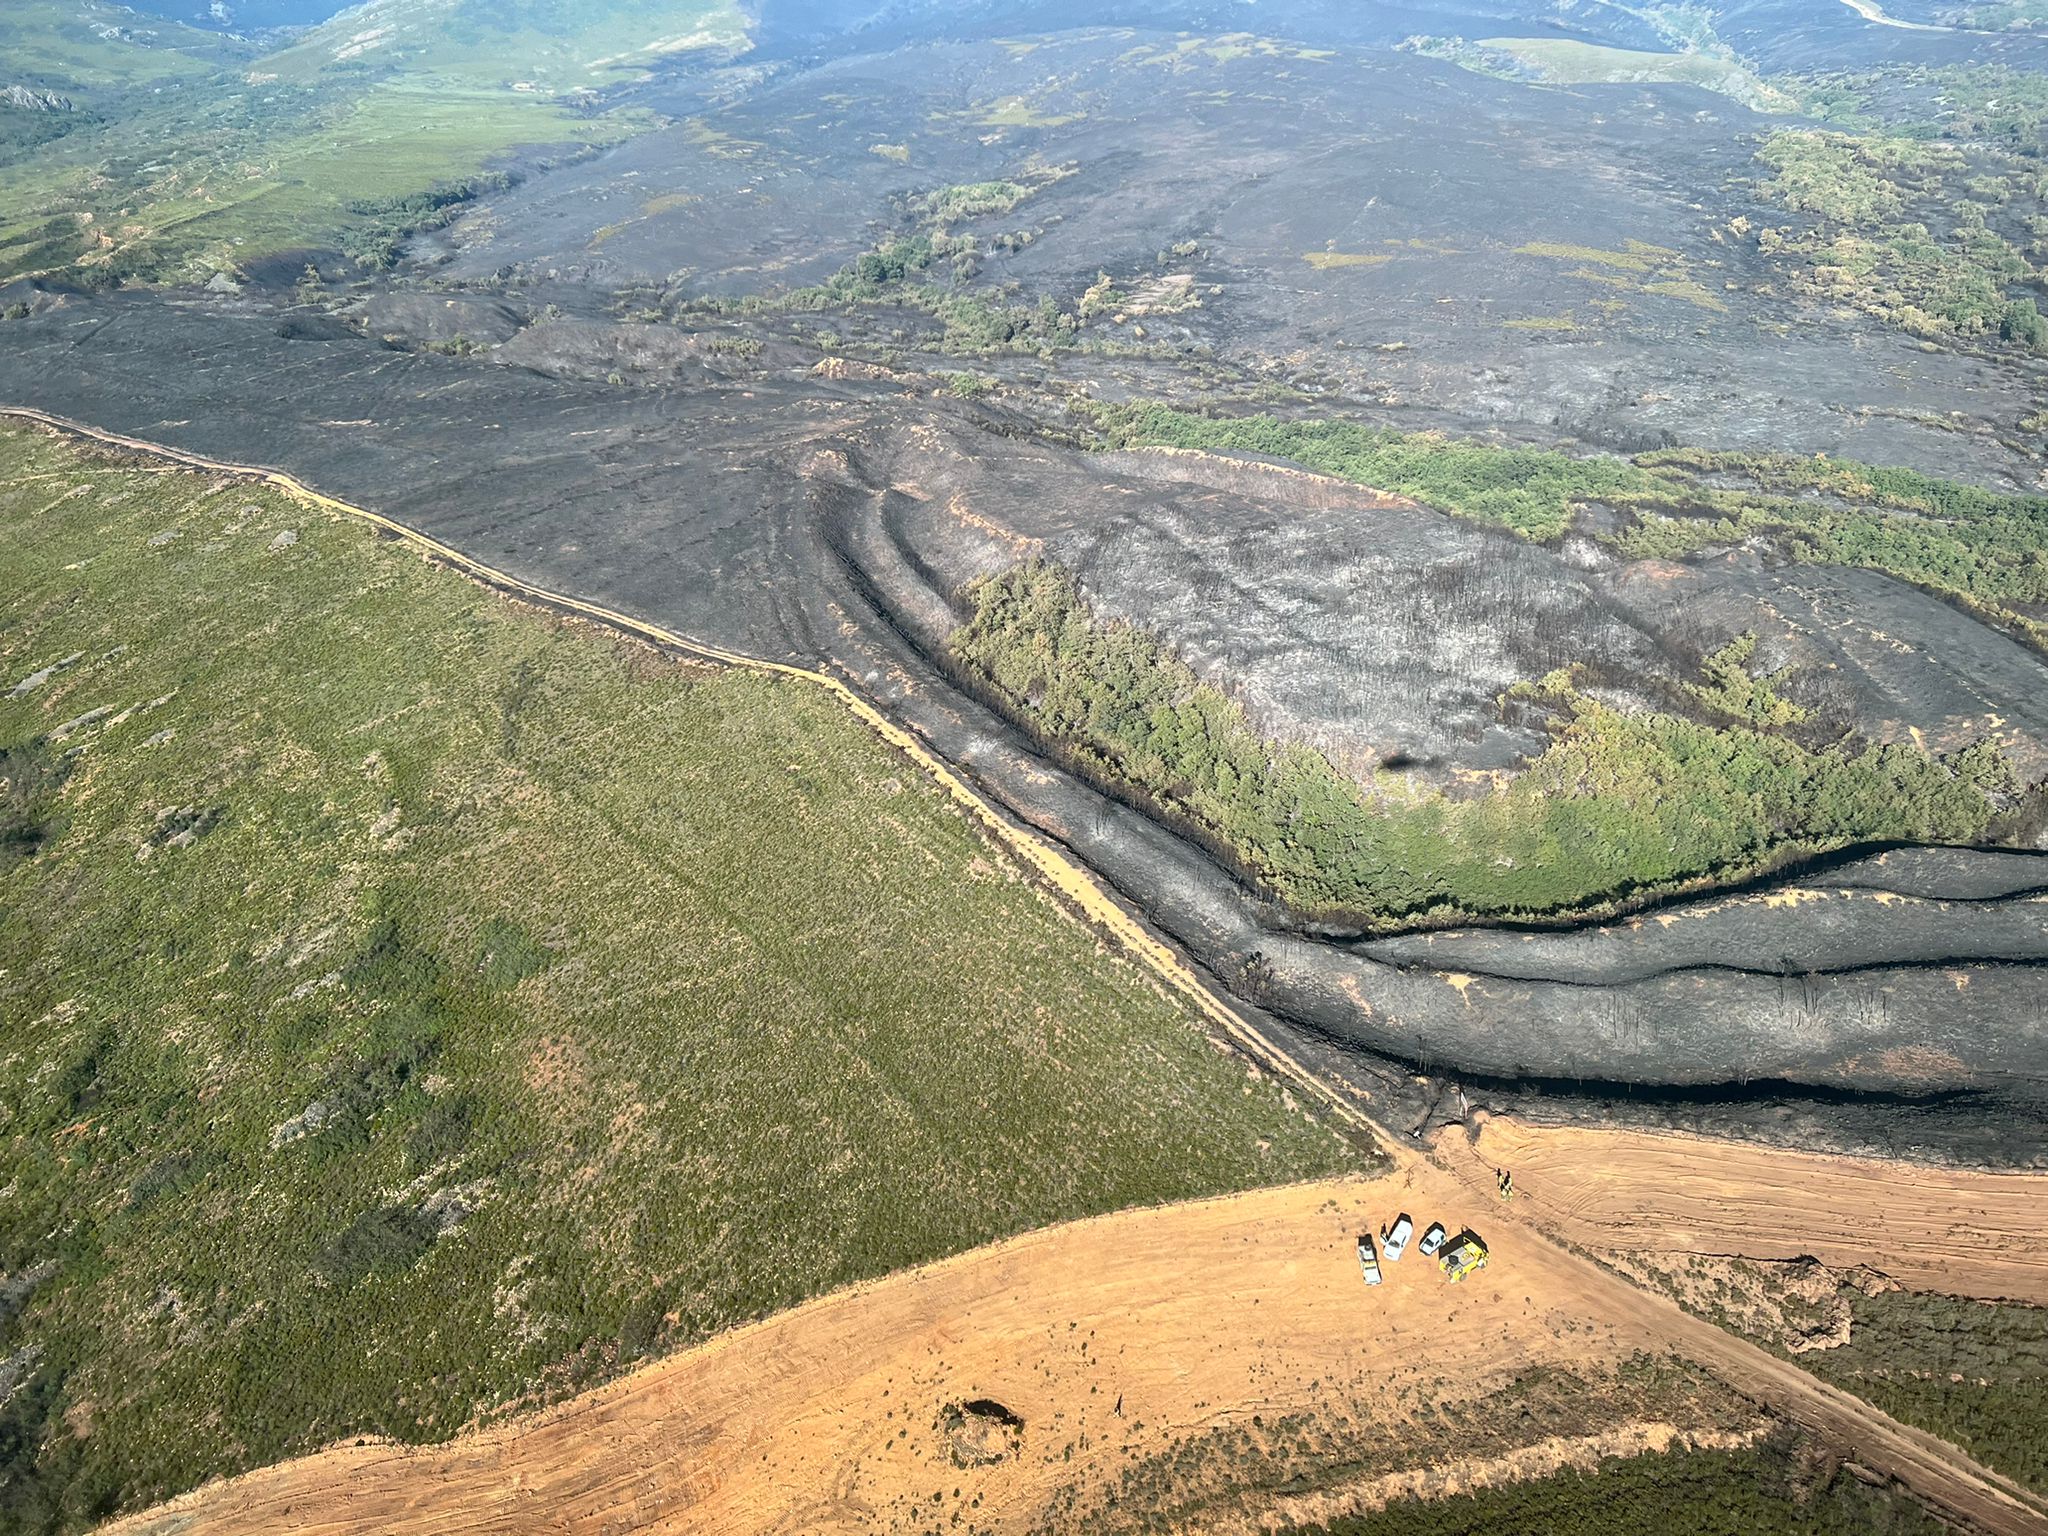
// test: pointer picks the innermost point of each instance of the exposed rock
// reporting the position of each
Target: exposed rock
(980, 1432)
(28, 99)
(307, 1122)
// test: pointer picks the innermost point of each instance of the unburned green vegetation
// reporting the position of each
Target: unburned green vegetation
(1227, 1476)
(1925, 235)
(1783, 1486)
(1617, 804)
(924, 270)
(1986, 550)
(221, 174)
(418, 1006)
(1990, 104)
(186, 154)
(1972, 1372)
(1699, 58)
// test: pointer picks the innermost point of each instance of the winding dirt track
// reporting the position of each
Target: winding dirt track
(823, 1418)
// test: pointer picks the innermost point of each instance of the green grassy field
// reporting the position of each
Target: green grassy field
(546, 45)
(88, 46)
(418, 1005)
(1973, 1372)
(1781, 1487)
(1567, 61)
(224, 173)
(190, 154)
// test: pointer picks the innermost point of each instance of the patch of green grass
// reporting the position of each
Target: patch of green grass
(1781, 1487)
(1567, 61)
(1540, 323)
(87, 47)
(419, 1005)
(218, 177)
(1617, 805)
(1687, 289)
(200, 155)
(1638, 257)
(1327, 261)
(1526, 490)
(1698, 57)
(1018, 112)
(541, 46)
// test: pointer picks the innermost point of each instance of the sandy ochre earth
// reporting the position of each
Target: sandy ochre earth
(1111, 1338)
(1929, 1228)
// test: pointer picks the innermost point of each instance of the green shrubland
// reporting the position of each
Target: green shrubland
(1618, 803)
(1969, 1371)
(925, 269)
(1898, 226)
(1782, 1486)
(418, 1006)
(1973, 1372)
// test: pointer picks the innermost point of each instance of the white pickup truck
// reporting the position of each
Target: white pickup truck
(1398, 1235)
(1368, 1260)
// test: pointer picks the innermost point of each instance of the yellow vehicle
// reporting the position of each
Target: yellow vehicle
(1461, 1256)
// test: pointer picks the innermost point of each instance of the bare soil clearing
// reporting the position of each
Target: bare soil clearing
(1930, 1228)
(1108, 1339)
(1111, 1337)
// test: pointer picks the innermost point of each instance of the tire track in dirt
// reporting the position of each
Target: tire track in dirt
(1108, 1338)
(1958, 1231)
(1937, 1471)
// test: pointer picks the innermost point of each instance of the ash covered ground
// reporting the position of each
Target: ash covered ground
(595, 381)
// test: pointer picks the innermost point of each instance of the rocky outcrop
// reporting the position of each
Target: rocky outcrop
(28, 99)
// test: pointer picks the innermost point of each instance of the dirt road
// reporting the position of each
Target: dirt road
(1930, 1228)
(1109, 1338)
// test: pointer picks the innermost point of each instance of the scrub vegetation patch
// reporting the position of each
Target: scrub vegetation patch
(531, 1002)
(1620, 803)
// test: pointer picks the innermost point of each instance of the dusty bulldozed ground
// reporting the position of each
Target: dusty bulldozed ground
(1950, 1230)
(1109, 1339)
(1077, 1353)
